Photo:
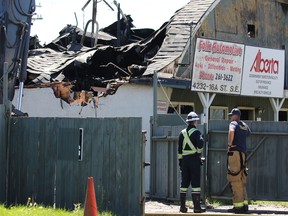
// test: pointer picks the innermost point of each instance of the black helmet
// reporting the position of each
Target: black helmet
(235, 111)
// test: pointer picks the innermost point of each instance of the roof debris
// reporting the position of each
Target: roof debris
(70, 58)
(79, 67)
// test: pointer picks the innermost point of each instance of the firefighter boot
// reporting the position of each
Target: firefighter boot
(196, 203)
(183, 207)
(238, 210)
(246, 208)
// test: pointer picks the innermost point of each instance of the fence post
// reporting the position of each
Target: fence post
(204, 166)
(6, 118)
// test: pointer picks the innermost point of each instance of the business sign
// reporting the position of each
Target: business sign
(263, 72)
(162, 107)
(217, 67)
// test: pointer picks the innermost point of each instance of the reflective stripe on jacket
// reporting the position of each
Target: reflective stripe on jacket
(188, 148)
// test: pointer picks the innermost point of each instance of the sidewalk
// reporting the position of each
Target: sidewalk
(155, 208)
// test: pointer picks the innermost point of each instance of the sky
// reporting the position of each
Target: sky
(56, 14)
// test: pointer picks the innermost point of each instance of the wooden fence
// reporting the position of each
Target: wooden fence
(51, 160)
(2, 153)
(267, 150)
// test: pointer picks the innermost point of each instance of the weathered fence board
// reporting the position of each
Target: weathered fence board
(165, 174)
(45, 163)
(267, 149)
(2, 154)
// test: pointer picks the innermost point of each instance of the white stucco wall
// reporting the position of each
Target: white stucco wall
(41, 102)
(130, 100)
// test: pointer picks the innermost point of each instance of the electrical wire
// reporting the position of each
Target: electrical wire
(6, 37)
(170, 101)
(22, 27)
(15, 20)
(21, 11)
(17, 51)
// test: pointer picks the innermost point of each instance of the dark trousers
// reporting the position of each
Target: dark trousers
(190, 171)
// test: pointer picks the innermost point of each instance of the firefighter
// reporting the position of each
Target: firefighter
(190, 147)
(236, 161)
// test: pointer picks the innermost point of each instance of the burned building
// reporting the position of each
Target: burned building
(121, 77)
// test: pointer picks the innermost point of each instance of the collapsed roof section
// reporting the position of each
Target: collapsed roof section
(178, 32)
(70, 59)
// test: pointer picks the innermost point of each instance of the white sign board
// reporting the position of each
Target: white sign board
(162, 107)
(263, 73)
(217, 67)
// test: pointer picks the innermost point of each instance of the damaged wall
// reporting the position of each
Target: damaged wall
(130, 100)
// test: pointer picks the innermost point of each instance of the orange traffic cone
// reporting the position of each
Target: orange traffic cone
(90, 207)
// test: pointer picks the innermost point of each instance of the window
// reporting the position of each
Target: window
(181, 107)
(218, 113)
(247, 113)
(186, 109)
(251, 31)
(283, 115)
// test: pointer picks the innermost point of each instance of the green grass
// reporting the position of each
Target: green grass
(218, 202)
(43, 211)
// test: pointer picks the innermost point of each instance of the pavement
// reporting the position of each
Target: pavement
(154, 208)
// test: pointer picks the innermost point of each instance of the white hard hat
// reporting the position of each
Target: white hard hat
(192, 116)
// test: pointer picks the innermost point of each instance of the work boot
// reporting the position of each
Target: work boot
(238, 210)
(246, 208)
(196, 203)
(183, 207)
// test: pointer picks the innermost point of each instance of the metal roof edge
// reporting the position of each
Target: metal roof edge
(166, 82)
(175, 83)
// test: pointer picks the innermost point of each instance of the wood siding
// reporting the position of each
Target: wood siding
(267, 149)
(230, 19)
(2, 153)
